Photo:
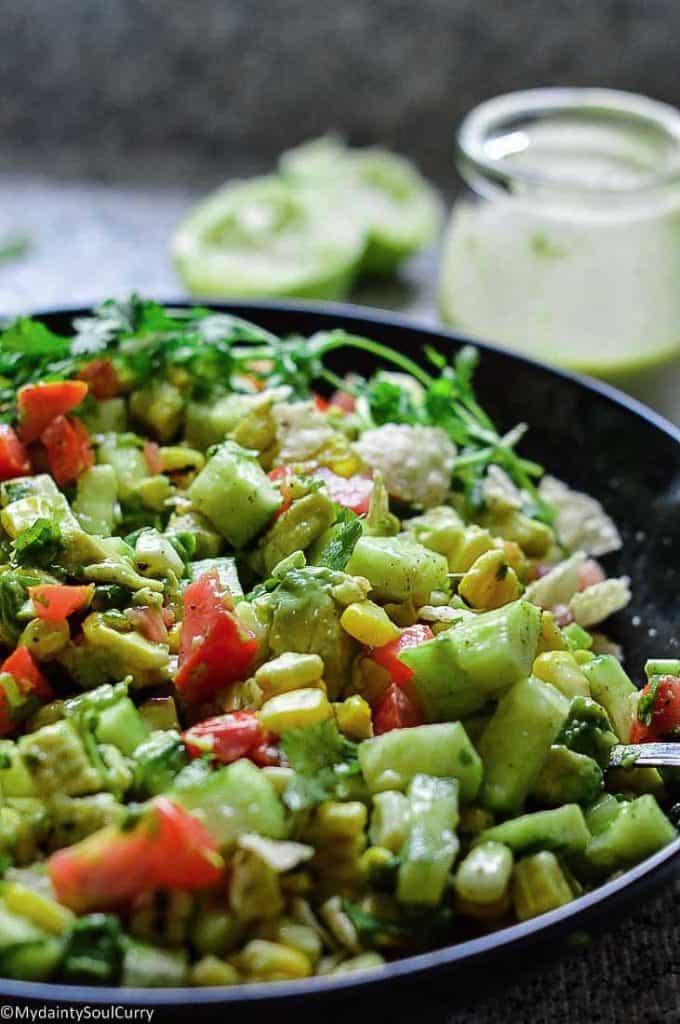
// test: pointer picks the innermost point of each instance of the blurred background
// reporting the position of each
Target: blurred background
(117, 114)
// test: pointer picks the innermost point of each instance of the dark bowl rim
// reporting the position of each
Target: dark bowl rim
(583, 908)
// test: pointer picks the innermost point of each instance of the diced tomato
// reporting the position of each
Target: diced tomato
(150, 622)
(352, 492)
(32, 689)
(320, 402)
(396, 710)
(215, 649)
(167, 848)
(55, 602)
(14, 460)
(283, 475)
(266, 755)
(227, 737)
(39, 404)
(101, 377)
(665, 711)
(388, 655)
(154, 459)
(342, 400)
(590, 572)
(68, 449)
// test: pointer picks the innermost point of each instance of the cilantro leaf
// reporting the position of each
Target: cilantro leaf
(39, 545)
(645, 707)
(32, 338)
(320, 756)
(338, 545)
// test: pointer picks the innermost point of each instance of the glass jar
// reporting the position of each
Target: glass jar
(566, 244)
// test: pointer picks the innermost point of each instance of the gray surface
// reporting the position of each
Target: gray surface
(205, 89)
(91, 241)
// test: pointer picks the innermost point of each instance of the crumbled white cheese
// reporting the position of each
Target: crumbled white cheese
(581, 522)
(416, 462)
(301, 431)
(596, 603)
(559, 585)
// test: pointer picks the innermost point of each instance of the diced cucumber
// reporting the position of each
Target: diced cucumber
(662, 667)
(442, 750)
(158, 407)
(602, 813)
(562, 829)
(266, 237)
(147, 966)
(483, 876)
(26, 952)
(157, 762)
(639, 829)
(539, 885)
(235, 494)
(42, 485)
(516, 742)
(105, 416)
(226, 571)
(390, 820)
(431, 845)
(568, 777)
(156, 556)
(122, 725)
(464, 667)
(235, 799)
(127, 461)
(399, 569)
(96, 500)
(611, 687)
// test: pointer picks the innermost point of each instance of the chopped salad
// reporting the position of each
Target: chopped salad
(301, 672)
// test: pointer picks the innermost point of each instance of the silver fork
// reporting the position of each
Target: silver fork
(661, 755)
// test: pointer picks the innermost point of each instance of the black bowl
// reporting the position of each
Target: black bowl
(597, 440)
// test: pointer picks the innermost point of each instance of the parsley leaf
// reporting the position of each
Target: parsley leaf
(320, 756)
(39, 545)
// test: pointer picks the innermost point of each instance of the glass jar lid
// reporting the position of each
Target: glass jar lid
(587, 142)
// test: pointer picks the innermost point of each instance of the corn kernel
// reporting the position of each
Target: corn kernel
(490, 582)
(272, 961)
(42, 911)
(368, 623)
(362, 962)
(295, 710)
(561, 670)
(289, 671)
(302, 938)
(353, 716)
(550, 637)
(211, 971)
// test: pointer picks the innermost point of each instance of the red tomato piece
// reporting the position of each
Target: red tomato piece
(283, 475)
(396, 709)
(227, 737)
(14, 460)
(665, 711)
(39, 404)
(168, 847)
(68, 449)
(352, 492)
(266, 755)
(215, 649)
(55, 602)
(342, 400)
(33, 689)
(388, 655)
(320, 403)
(154, 459)
(590, 572)
(101, 377)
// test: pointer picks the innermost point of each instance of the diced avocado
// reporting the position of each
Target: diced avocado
(159, 408)
(431, 844)
(58, 761)
(235, 799)
(96, 500)
(209, 543)
(105, 416)
(462, 668)
(568, 777)
(611, 687)
(156, 556)
(208, 423)
(639, 829)
(297, 528)
(442, 750)
(563, 829)
(226, 571)
(158, 761)
(160, 713)
(399, 569)
(235, 494)
(126, 653)
(42, 485)
(516, 742)
(74, 818)
(534, 537)
(15, 778)
(147, 966)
